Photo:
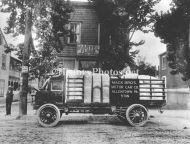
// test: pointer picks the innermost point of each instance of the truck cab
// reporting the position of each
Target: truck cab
(52, 91)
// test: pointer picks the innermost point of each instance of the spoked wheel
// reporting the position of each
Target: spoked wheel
(48, 115)
(137, 115)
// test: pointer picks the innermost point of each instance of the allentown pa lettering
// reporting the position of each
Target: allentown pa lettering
(122, 91)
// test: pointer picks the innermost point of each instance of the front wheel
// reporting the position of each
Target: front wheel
(137, 115)
(48, 115)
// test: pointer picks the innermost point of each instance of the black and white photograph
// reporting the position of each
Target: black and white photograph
(94, 71)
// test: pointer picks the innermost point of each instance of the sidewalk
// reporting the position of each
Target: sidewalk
(31, 114)
(15, 101)
(171, 113)
(172, 119)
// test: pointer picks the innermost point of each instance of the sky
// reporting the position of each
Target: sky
(150, 49)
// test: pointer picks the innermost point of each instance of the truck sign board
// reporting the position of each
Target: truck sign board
(124, 91)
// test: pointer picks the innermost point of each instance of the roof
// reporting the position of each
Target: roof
(14, 56)
(16, 59)
(1, 32)
(164, 53)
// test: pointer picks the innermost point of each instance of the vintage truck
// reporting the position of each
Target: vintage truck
(128, 97)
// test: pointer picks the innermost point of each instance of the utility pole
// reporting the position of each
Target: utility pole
(25, 64)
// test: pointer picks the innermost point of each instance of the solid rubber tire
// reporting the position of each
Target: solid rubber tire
(57, 117)
(128, 118)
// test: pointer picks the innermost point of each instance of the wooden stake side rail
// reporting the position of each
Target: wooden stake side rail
(152, 80)
(151, 84)
(151, 96)
(149, 89)
(77, 86)
(152, 91)
(152, 88)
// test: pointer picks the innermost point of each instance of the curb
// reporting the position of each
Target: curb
(13, 103)
(184, 114)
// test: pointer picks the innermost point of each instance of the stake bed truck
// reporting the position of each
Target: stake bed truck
(128, 97)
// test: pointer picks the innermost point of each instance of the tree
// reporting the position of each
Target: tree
(120, 19)
(145, 68)
(173, 29)
(49, 18)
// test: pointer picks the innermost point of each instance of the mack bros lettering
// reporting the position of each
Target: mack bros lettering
(124, 90)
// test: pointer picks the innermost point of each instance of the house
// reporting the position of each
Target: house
(14, 72)
(9, 68)
(81, 46)
(4, 65)
(173, 81)
(178, 93)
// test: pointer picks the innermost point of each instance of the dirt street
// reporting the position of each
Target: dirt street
(88, 129)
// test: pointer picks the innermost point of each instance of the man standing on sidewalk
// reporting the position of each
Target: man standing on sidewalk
(9, 99)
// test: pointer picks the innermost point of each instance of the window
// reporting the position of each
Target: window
(87, 64)
(14, 65)
(45, 84)
(3, 62)
(56, 85)
(2, 87)
(69, 64)
(74, 33)
(164, 62)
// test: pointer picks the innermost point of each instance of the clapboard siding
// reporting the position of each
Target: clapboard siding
(86, 14)
(69, 50)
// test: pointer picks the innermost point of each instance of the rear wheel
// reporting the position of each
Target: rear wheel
(136, 115)
(48, 115)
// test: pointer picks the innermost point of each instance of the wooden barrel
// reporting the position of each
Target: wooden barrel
(105, 88)
(88, 87)
(96, 88)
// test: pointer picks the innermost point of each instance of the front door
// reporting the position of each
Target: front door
(57, 88)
